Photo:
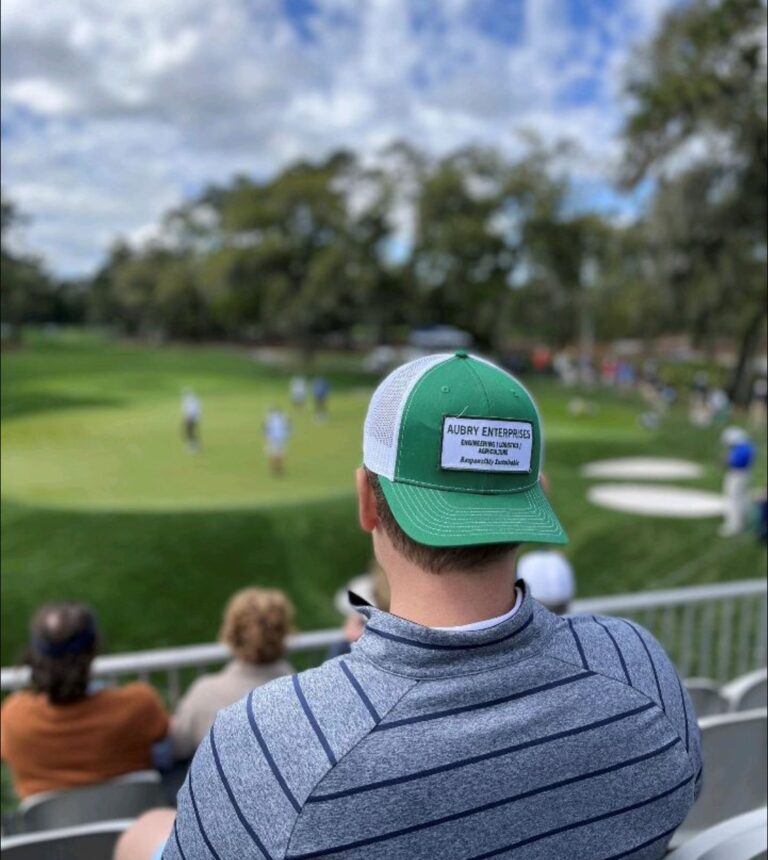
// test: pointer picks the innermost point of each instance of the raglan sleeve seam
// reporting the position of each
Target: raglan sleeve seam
(325, 773)
(644, 695)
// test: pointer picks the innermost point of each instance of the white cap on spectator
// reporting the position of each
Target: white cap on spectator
(362, 585)
(734, 436)
(549, 576)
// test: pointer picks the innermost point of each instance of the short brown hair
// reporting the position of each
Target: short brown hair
(255, 624)
(63, 643)
(435, 559)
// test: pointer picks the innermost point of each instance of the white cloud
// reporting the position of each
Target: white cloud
(114, 112)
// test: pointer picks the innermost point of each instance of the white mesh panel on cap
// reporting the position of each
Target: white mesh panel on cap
(385, 413)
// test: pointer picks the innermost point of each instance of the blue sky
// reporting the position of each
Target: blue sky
(113, 113)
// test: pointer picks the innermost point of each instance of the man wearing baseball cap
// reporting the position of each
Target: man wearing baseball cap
(469, 721)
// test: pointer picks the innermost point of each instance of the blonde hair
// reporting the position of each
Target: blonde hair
(255, 624)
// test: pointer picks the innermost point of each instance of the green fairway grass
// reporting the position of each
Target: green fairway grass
(101, 502)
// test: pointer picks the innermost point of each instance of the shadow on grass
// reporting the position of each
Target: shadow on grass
(34, 402)
(162, 579)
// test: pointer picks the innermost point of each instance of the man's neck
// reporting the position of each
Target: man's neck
(449, 599)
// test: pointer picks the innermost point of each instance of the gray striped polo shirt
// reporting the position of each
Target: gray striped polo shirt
(541, 737)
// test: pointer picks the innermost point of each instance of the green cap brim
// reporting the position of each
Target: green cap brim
(447, 518)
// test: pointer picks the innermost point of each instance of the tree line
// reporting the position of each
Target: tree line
(485, 242)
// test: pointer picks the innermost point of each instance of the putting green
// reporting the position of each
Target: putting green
(92, 425)
(133, 458)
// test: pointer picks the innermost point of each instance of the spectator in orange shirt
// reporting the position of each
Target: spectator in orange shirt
(62, 734)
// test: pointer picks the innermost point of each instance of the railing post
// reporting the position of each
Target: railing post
(761, 633)
(725, 641)
(706, 634)
(649, 620)
(746, 620)
(668, 630)
(173, 686)
(686, 639)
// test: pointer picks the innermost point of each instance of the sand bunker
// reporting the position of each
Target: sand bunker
(643, 468)
(657, 500)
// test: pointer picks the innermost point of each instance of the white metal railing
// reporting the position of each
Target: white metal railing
(710, 631)
(171, 661)
(716, 631)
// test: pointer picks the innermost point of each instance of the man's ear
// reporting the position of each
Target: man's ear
(366, 502)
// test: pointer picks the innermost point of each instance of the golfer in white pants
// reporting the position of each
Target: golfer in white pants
(740, 455)
(191, 411)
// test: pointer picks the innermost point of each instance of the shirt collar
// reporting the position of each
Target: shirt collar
(487, 622)
(410, 649)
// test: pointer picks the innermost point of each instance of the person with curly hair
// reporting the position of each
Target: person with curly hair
(62, 732)
(255, 625)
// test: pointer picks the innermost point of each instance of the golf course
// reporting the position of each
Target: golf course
(102, 502)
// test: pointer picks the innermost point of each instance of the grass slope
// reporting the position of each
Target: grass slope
(101, 502)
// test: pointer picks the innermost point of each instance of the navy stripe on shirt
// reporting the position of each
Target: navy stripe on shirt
(593, 820)
(685, 714)
(197, 816)
(360, 691)
(268, 755)
(225, 782)
(398, 780)
(642, 845)
(178, 843)
(450, 712)
(433, 647)
(578, 644)
(393, 834)
(650, 660)
(312, 721)
(616, 647)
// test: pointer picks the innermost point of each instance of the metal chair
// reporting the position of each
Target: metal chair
(86, 842)
(706, 697)
(741, 838)
(734, 750)
(747, 692)
(124, 797)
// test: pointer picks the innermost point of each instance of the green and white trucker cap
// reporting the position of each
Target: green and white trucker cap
(457, 444)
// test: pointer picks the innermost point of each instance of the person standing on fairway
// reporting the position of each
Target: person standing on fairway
(298, 391)
(277, 429)
(320, 389)
(191, 411)
(739, 457)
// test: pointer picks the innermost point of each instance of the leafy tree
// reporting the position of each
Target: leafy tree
(26, 291)
(468, 237)
(698, 124)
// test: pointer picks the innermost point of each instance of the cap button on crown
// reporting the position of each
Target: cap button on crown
(461, 353)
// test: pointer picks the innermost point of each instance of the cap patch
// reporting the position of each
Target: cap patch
(486, 445)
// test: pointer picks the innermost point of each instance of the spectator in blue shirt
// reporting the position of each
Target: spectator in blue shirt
(739, 458)
(320, 390)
